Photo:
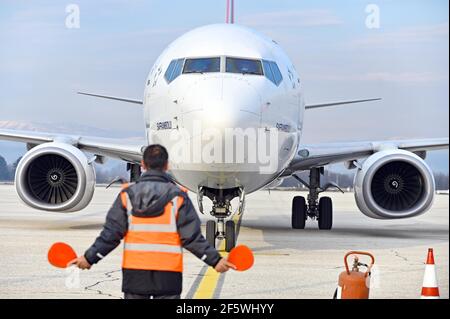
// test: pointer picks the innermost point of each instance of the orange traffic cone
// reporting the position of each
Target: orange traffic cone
(430, 289)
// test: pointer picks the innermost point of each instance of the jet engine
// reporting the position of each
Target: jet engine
(394, 184)
(55, 177)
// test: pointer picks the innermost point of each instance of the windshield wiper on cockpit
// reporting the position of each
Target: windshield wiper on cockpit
(193, 71)
(252, 73)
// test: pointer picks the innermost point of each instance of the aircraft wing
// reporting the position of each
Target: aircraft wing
(128, 150)
(318, 155)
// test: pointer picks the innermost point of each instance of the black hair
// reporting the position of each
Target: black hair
(155, 157)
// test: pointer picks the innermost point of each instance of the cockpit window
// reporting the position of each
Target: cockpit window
(202, 65)
(272, 72)
(174, 70)
(244, 66)
(232, 65)
(268, 71)
(276, 73)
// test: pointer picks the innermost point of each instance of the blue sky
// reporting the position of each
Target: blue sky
(406, 61)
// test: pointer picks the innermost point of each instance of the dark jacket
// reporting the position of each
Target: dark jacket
(148, 197)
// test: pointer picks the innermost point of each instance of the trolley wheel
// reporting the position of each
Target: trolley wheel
(298, 212)
(325, 213)
(211, 231)
(230, 235)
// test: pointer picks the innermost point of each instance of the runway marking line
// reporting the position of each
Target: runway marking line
(208, 285)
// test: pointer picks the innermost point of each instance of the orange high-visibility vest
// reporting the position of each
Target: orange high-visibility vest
(153, 243)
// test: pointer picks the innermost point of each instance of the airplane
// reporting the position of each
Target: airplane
(220, 77)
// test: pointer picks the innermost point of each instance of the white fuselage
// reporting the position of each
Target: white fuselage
(198, 111)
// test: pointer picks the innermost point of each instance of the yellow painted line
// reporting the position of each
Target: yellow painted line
(208, 285)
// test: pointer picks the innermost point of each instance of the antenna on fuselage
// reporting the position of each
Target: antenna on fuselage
(230, 12)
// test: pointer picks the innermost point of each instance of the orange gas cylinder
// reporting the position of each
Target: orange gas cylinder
(354, 284)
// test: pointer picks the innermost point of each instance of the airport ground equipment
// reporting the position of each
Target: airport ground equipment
(430, 289)
(355, 284)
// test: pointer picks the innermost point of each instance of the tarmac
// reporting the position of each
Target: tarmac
(288, 263)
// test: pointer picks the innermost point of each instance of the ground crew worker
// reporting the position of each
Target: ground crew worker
(156, 219)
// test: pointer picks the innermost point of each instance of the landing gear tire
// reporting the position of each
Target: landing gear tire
(211, 231)
(299, 210)
(325, 213)
(230, 235)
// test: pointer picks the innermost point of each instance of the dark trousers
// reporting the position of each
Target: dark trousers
(136, 296)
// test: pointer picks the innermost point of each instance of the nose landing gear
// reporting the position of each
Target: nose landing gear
(221, 229)
(314, 208)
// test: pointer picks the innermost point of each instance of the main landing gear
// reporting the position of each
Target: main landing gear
(221, 229)
(135, 174)
(135, 171)
(313, 208)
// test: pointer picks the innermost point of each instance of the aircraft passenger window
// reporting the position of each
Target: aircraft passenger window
(276, 73)
(244, 66)
(174, 70)
(202, 65)
(268, 71)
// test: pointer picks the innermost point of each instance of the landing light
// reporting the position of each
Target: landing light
(303, 153)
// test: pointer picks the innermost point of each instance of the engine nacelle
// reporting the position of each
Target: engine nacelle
(394, 184)
(55, 177)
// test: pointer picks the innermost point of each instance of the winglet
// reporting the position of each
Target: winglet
(113, 98)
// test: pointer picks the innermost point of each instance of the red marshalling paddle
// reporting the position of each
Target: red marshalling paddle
(242, 257)
(60, 254)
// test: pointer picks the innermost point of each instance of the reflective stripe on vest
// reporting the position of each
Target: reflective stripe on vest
(153, 243)
(153, 228)
(153, 247)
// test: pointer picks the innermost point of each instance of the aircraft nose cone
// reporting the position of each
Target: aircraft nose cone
(222, 115)
(222, 132)
(224, 103)
(217, 113)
